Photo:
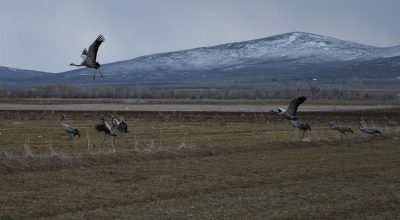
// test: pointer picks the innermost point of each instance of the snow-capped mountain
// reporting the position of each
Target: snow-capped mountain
(289, 53)
(282, 57)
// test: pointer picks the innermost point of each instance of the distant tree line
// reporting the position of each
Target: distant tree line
(140, 92)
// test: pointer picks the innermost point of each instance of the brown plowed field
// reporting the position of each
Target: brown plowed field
(195, 165)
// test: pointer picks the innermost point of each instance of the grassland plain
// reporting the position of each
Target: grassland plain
(198, 165)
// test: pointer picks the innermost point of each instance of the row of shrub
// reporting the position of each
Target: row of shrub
(220, 92)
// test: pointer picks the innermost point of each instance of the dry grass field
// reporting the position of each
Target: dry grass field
(195, 165)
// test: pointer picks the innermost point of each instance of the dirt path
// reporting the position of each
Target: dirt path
(184, 107)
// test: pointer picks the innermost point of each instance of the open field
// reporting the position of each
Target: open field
(240, 165)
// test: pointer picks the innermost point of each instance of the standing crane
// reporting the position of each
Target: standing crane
(369, 130)
(71, 131)
(303, 127)
(343, 130)
(89, 56)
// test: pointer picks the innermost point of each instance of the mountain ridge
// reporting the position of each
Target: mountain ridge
(285, 56)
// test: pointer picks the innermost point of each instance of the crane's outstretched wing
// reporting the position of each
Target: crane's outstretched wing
(294, 104)
(84, 54)
(108, 127)
(92, 53)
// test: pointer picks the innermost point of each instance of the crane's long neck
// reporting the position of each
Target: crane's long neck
(73, 64)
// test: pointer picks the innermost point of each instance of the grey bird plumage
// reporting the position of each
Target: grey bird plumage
(369, 130)
(119, 124)
(103, 126)
(291, 111)
(343, 130)
(89, 56)
(71, 131)
(303, 127)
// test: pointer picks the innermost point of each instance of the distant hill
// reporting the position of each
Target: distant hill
(283, 58)
(19, 77)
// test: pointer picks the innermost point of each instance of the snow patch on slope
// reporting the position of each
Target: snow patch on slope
(297, 48)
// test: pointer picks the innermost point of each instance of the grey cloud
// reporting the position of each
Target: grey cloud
(47, 35)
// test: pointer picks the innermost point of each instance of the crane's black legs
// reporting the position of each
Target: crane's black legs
(101, 74)
(94, 74)
(69, 140)
(113, 143)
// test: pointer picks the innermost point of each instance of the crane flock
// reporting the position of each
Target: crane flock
(102, 126)
(118, 125)
(290, 115)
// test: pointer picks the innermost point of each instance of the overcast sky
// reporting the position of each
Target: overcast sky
(47, 35)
